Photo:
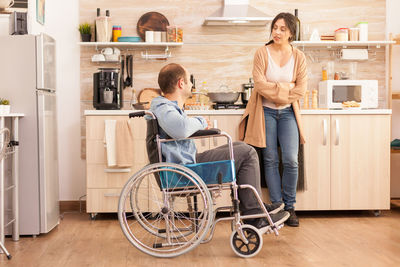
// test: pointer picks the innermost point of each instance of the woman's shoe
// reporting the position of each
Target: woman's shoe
(293, 220)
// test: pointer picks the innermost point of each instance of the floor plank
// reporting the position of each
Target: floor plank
(351, 238)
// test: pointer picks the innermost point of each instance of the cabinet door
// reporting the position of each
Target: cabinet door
(317, 164)
(228, 124)
(360, 161)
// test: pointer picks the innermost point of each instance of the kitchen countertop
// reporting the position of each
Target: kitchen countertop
(240, 111)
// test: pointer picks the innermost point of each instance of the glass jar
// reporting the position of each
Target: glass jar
(116, 32)
(174, 34)
(353, 34)
(342, 34)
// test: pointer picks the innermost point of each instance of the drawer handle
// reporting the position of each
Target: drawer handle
(325, 132)
(111, 195)
(337, 133)
(118, 170)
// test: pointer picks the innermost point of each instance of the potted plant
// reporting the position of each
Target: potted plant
(86, 32)
(4, 106)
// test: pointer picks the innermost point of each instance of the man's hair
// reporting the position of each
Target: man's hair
(169, 76)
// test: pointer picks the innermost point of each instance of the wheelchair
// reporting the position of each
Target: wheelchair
(167, 209)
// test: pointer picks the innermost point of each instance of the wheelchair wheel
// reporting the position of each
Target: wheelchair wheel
(254, 245)
(165, 210)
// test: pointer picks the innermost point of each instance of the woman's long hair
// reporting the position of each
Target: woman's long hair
(290, 21)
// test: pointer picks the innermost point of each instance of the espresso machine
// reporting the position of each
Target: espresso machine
(107, 90)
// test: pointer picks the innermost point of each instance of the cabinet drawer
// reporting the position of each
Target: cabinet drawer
(100, 176)
(106, 200)
(95, 126)
(96, 152)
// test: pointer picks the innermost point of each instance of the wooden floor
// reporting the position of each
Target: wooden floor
(323, 239)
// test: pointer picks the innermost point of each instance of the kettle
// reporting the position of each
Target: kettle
(6, 3)
(247, 90)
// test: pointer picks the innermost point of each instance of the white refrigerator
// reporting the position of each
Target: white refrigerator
(28, 80)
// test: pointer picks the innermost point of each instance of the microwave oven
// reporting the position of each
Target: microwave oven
(332, 93)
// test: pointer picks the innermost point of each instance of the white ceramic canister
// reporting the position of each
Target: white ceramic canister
(149, 36)
(363, 35)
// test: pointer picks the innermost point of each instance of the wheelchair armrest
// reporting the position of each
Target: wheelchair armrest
(211, 131)
(136, 114)
(142, 114)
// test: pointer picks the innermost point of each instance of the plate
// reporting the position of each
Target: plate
(129, 39)
(151, 21)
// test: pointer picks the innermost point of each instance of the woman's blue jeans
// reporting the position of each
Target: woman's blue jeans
(281, 126)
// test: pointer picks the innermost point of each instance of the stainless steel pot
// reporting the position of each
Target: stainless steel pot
(223, 97)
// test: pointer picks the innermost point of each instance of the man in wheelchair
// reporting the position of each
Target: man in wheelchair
(174, 81)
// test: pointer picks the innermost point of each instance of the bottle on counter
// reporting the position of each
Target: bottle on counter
(306, 100)
(314, 99)
(324, 74)
(95, 30)
(297, 36)
(203, 96)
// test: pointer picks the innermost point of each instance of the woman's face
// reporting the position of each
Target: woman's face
(280, 33)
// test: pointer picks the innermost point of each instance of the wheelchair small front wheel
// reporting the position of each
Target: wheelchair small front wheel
(254, 245)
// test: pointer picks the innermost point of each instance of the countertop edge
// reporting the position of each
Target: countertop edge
(241, 111)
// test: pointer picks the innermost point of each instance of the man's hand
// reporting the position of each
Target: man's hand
(208, 124)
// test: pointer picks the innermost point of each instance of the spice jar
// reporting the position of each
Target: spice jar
(306, 100)
(116, 32)
(314, 99)
(337, 76)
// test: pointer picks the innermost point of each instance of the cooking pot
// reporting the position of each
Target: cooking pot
(223, 97)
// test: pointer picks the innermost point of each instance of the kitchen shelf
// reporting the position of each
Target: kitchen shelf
(344, 44)
(303, 43)
(129, 44)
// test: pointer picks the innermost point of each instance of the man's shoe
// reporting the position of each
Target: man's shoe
(293, 220)
(274, 207)
(262, 223)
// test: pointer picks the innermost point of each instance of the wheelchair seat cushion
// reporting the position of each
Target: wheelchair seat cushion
(212, 173)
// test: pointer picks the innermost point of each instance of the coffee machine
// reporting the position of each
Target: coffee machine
(107, 91)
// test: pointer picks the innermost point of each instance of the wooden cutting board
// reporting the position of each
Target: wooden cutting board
(151, 21)
(147, 94)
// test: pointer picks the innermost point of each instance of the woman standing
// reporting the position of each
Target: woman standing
(272, 115)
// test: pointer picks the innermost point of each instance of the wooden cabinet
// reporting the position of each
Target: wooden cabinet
(317, 164)
(103, 183)
(347, 160)
(360, 162)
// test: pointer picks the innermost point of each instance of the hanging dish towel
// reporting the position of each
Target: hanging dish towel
(109, 140)
(124, 143)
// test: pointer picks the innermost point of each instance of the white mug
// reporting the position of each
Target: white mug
(98, 57)
(6, 3)
(117, 52)
(149, 37)
(107, 51)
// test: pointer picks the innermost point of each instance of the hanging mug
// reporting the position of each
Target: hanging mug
(6, 3)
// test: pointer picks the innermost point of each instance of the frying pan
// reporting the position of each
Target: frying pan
(151, 21)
